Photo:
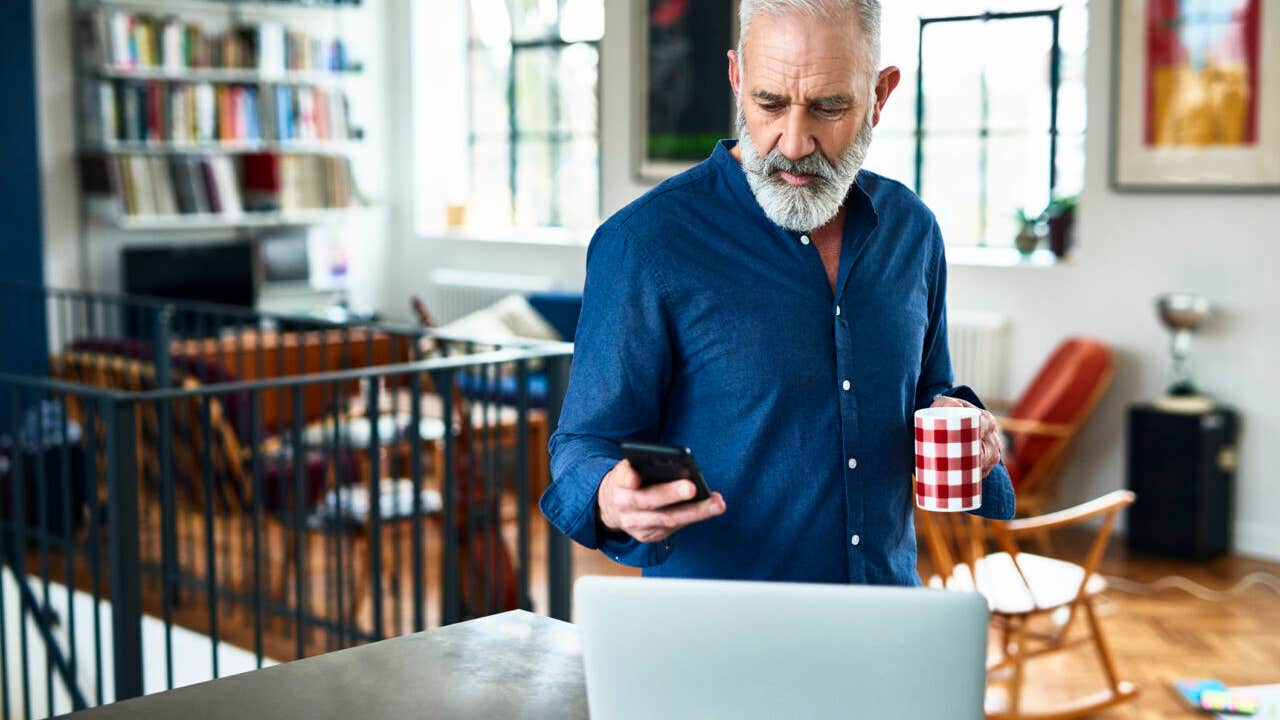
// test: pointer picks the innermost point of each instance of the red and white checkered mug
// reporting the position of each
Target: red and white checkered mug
(948, 459)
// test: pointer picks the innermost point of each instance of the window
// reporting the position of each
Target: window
(532, 69)
(990, 116)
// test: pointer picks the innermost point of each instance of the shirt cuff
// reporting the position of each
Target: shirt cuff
(998, 501)
(572, 508)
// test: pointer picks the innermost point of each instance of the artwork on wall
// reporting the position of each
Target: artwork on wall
(682, 88)
(1196, 95)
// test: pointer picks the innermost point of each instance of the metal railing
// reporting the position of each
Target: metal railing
(286, 515)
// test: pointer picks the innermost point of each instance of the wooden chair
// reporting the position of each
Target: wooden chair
(1048, 416)
(1028, 592)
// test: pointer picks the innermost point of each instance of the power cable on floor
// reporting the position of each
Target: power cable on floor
(1191, 587)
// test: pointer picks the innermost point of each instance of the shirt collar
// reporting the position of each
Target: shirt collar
(861, 207)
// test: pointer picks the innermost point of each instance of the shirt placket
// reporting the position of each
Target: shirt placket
(854, 487)
(848, 404)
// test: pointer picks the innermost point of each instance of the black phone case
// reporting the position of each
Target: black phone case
(664, 463)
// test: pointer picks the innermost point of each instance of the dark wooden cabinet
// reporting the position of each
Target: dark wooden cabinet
(1182, 468)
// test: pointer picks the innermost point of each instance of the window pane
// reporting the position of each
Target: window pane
(533, 183)
(950, 186)
(534, 19)
(578, 183)
(490, 23)
(582, 20)
(490, 183)
(1017, 177)
(1017, 72)
(1070, 164)
(893, 155)
(578, 70)
(952, 85)
(489, 93)
(534, 68)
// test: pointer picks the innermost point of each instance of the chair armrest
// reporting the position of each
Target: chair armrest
(1019, 426)
(1108, 503)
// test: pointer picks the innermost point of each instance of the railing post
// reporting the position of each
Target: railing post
(559, 551)
(123, 556)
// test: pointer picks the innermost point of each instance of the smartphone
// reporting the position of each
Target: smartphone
(656, 463)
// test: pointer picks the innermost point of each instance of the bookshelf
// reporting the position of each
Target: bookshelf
(245, 7)
(243, 220)
(238, 76)
(204, 119)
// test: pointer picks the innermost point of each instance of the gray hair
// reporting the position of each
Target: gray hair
(867, 12)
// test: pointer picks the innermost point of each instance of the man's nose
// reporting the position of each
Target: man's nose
(797, 140)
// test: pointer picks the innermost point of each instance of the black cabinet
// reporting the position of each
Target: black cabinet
(1182, 468)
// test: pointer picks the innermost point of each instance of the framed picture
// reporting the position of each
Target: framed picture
(682, 83)
(1196, 95)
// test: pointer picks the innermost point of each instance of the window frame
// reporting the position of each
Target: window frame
(514, 136)
(984, 131)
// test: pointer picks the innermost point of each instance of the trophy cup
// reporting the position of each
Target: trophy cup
(1183, 314)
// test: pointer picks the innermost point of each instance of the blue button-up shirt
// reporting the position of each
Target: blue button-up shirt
(706, 325)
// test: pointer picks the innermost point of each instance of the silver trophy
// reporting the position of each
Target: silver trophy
(1183, 314)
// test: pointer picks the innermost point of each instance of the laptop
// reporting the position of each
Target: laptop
(725, 649)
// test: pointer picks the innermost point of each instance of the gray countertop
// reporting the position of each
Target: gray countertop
(513, 665)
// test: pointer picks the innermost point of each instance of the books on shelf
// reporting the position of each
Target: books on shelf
(185, 113)
(199, 185)
(132, 40)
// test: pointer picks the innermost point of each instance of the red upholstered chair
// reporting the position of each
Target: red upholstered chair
(1047, 417)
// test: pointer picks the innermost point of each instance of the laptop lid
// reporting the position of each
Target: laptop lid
(719, 649)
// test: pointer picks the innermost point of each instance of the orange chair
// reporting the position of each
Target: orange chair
(1049, 415)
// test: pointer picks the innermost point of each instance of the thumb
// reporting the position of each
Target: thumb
(624, 476)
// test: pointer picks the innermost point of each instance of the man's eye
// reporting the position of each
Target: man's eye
(832, 113)
(772, 107)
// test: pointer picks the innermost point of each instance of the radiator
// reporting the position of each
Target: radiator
(979, 351)
(453, 293)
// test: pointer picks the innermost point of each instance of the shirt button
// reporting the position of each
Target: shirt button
(853, 463)
(847, 385)
(837, 311)
(804, 239)
(855, 539)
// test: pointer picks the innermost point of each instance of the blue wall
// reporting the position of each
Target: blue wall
(23, 330)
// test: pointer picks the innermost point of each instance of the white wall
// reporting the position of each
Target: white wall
(1131, 247)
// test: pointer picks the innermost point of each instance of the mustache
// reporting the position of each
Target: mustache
(815, 164)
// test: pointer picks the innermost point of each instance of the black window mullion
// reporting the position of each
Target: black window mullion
(984, 130)
(516, 135)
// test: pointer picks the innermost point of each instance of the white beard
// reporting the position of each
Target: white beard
(801, 208)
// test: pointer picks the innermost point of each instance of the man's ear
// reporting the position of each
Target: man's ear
(885, 85)
(735, 74)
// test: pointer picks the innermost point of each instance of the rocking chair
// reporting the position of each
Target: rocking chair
(1021, 588)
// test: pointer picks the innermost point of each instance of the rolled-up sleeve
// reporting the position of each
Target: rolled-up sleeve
(936, 378)
(620, 375)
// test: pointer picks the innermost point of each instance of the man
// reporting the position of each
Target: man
(782, 314)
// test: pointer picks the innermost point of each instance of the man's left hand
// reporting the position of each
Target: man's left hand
(992, 449)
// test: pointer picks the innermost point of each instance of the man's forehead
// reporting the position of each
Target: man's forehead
(796, 50)
(780, 77)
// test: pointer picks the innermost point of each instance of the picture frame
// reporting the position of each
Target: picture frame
(689, 72)
(1195, 100)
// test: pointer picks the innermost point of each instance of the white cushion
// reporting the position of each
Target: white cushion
(1050, 583)
(511, 318)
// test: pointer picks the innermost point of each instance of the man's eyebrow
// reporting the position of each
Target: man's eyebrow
(831, 100)
(768, 96)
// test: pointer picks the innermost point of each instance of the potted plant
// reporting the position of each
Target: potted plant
(1028, 232)
(1061, 217)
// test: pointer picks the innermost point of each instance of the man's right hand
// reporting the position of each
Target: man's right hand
(642, 512)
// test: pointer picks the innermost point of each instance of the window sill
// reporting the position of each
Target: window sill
(969, 256)
(555, 236)
(957, 255)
